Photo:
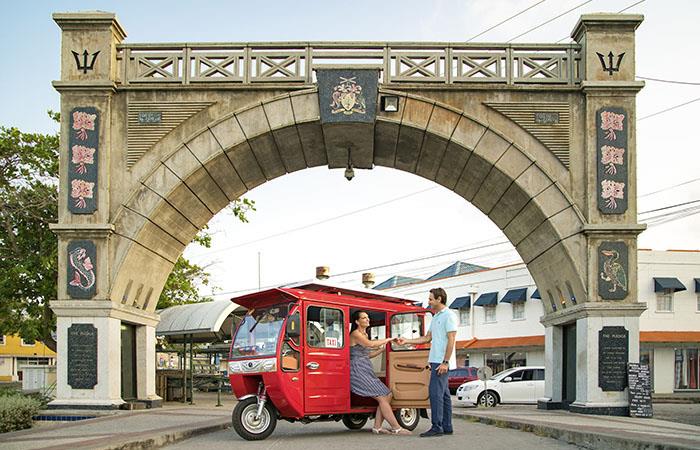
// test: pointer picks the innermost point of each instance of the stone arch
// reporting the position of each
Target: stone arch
(263, 141)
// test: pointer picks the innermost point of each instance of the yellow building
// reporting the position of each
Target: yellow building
(15, 353)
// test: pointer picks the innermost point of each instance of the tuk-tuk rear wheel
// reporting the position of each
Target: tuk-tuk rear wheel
(408, 418)
(250, 427)
(354, 421)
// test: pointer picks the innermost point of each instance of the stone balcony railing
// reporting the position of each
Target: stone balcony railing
(292, 63)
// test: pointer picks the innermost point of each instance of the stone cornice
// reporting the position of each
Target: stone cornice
(90, 20)
(108, 87)
(614, 88)
(612, 229)
(79, 230)
(103, 308)
(593, 309)
(606, 22)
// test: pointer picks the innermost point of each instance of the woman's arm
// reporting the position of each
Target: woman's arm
(377, 352)
(359, 338)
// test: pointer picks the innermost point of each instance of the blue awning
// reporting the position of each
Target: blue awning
(515, 296)
(488, 299)
(697, 284)
(673, 284)
(461, 303)
(536, 294)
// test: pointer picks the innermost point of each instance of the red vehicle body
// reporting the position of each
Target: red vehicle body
(460, 375)
(290, 355)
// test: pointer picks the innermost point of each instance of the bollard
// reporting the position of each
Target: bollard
(218, 394)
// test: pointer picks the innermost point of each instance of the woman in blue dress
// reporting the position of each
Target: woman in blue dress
(363, 382)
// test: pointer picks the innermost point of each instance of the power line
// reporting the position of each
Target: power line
(669, 188)
(550, 20)
(501, 23)
(303, 227)
(668, 109)
(669, 207)
(690, 83)
(620, 11)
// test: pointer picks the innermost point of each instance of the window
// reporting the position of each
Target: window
(2, 339)
(489, 314)
(698, 304)
(29, 343)
(464, 316)
(324, 327)
(664, 301)
(408, 326)
(538, 375)
(518, 310)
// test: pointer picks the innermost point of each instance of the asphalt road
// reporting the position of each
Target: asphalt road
(332, 435)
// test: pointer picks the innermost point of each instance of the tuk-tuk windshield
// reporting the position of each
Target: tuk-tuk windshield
(259, 332)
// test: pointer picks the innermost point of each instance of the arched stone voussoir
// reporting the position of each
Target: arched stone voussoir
(443, 121)
(487, 152)
(246, 165)
(386, 137)
(502, 175)
(140, 276)
(545, 235)
(194, 175)
(305, 106)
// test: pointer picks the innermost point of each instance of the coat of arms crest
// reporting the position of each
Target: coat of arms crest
(347, 97)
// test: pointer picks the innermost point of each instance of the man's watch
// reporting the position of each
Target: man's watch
(447, 363)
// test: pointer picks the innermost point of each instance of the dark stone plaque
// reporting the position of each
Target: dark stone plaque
(82, 356)
(82, 271)
(149, 117)
(639, 380)
(613, 351)
(613, 270)
(347, 95)
(84, 136)
(547, 118)
(612, 156)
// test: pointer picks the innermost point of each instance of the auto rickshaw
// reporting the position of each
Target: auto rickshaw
(290, 358)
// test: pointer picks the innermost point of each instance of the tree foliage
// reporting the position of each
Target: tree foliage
(28, 248)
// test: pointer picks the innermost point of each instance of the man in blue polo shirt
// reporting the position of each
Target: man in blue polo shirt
(442, 333)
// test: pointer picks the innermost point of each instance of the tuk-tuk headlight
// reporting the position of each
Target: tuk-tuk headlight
(253, 365)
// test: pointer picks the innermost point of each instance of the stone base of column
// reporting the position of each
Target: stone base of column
(549, 404)
(84, 404)
(600, 409)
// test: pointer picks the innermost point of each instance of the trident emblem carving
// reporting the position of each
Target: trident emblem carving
(85, 66)
(610, 67)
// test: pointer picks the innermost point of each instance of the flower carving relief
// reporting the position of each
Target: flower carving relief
(611, 158)
(80, 190)
(610, 123)
(612, 190)
(82, 123)
(81, 156)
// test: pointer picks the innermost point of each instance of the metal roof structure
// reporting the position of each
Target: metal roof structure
(205, 322)
(458, 268)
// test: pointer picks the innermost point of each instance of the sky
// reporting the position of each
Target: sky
(383, 216)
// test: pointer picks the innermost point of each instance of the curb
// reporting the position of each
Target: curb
(583, 439)
(165, 438)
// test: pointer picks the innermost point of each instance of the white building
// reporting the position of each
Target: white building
(499, 311)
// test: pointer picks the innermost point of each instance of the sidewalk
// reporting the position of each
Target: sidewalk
(149, 428)
(594, 432)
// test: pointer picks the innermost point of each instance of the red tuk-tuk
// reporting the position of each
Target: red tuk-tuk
(290, 358)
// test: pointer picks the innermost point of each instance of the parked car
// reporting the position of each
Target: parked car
(516, 385)
(459, 376)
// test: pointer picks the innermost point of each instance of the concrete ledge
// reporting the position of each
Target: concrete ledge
(594, 438)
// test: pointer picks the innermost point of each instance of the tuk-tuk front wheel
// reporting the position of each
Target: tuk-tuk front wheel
(408, 418)
(249, 425)
(354, 421)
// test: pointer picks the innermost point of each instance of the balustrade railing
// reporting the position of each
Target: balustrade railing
(256, 63)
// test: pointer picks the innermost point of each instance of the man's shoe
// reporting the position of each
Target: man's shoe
(448, 432)
(431, 433)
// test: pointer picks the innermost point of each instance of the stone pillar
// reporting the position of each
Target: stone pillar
(89, 332)
(146, 365)
(607, 321)
(553, 343)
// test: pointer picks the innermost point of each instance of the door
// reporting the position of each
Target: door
(569, 365)
(408, 373)
(326, 360)
(128, 372)
(521, 388)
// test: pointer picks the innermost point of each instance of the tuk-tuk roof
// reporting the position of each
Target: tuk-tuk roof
(327, 293)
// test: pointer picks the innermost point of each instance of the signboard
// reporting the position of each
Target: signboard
(612, 125)
(639, 380)
(83, 140)
(613, 348)
(82, 356)
(347, 95)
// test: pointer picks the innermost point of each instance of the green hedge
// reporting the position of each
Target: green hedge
(16, 412)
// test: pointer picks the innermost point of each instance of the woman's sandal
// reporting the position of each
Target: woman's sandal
(380, 431)
(401, 431)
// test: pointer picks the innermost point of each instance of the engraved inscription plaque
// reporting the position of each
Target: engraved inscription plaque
(639, 380)
(613, 345)
(546, 117)
(146, 117)
(82, 356)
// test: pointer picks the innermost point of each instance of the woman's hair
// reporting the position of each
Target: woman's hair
(355, 318)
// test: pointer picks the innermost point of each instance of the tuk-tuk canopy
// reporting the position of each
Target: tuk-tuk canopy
(326, 293)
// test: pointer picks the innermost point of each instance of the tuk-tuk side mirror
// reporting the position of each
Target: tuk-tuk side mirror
(293, 329)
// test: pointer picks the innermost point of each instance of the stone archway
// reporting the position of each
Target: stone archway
(162, 147)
